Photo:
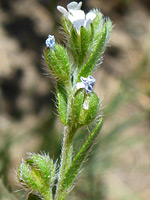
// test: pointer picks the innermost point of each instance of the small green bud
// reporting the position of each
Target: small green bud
(77, 104)
(25, 177)
(43, 164)
(79, 44)
(89, 109)
(58, 62)
(37, 174)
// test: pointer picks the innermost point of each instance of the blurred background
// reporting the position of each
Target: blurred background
(119, 167)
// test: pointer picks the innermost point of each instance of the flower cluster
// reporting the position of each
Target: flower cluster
(77, 16)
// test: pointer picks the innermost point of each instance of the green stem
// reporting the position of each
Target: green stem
(66, 157)
(67, 147)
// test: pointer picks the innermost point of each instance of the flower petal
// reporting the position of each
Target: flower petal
(80, 85)
(77, 18)
(77, 24)
(79, 5)
(74, 6)
(50, 41)
(62, 9)
(89, 18)
(77, 14)
(88, 83)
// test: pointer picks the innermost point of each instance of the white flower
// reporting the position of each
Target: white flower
(50, 41)
(87, 84)
(76, 15)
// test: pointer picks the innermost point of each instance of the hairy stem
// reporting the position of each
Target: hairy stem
(66, 157)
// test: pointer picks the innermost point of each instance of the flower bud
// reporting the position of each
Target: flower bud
(89, 109)
(37, 174)
(25, 177)
(50, 41)
(58, 62)
(77, 105)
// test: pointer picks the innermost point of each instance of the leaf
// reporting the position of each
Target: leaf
(63, 59)
(88, 115)
(67, 25)
(58, 62)
(89, 66)
(52, 62)
(81, 157)
(98, 21)
(25, 177)
(74, 45)
(85, 41)
(62, 102)
(78, 102)
(44, 164)
(100, 43)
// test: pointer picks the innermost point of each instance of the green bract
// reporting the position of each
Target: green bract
(58, 62)
(90, 109)
(37, 174)
(87, 36)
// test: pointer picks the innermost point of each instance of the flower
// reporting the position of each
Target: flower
(50, 41)
(77, 16)
(87, 84)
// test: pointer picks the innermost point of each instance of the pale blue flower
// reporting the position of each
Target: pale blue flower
(50, 41)
(77, 16)
(87, 83)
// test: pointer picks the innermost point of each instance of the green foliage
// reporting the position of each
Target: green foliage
(45, 165)
(89, 109)
(58, 62)
(62, 102)
(37, 174)
(85, 41)
(67, 25)
(78, 105)
(79, 44)
(25, 177)
(81, 157)
(75, 45)
(99, 46)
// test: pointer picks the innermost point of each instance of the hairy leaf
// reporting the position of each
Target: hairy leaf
(62, 102)
(81, 157)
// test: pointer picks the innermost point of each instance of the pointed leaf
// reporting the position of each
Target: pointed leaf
(74, 45)
(85, 41)
(89, 66)
(78, 102)
(81, 157)
(92, 104)
(58, 62)
(53, 63)
(44, 164)
(100, 40)
(62, 101)
(63, 59)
